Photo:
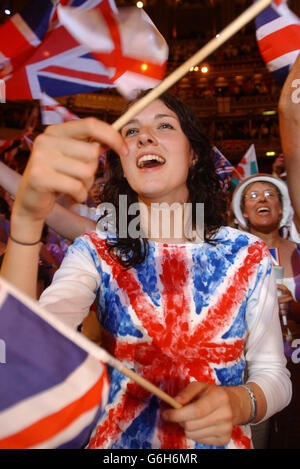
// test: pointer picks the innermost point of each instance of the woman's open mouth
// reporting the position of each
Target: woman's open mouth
(150, 161)
(263, 210)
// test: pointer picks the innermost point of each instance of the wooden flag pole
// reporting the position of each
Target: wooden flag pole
(79, 339)
(201, 55)
(110, 360)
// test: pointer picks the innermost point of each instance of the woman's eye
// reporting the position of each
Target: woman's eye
(129, 132)
(166, 125)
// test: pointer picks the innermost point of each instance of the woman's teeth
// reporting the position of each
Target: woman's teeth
(150, 160)
(263, 209)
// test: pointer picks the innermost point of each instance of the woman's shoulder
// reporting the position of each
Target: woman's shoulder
(88, 242)
(289, 250)
(238, 244)
(227, 234)
(291, 245)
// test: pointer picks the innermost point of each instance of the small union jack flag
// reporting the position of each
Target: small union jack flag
(223, 168)
(278, 37)
(52, 390)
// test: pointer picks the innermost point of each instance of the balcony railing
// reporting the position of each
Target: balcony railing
(203, 106)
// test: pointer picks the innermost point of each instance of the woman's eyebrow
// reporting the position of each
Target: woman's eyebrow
(132, 121)
(157, 116)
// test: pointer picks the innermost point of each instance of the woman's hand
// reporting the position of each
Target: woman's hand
(208, 413)
(63, 160)
(285, 296)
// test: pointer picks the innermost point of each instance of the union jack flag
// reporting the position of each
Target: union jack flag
(22, 33)
(175, 318)
(63, 65)
(278, 36)
(51, 390)
(223, 168)
(128, 44)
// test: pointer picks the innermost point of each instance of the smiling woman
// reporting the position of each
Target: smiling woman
(171, 132)
(191, 316)
(261, 204)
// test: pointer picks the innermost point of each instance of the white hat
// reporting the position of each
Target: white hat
(287, 211)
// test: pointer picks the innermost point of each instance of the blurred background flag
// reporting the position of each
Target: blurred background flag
(127, 43)
(223, 168)
(247, 167)
(278, 37)
(52, 391)
(23, 33)
(130, 54)
(59, 65)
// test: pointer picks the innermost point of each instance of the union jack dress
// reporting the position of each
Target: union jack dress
(183, 315)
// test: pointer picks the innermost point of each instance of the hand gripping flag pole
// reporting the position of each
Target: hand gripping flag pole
(204, 52)
(81, 341)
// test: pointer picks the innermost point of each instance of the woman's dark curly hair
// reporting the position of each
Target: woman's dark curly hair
(203, 184)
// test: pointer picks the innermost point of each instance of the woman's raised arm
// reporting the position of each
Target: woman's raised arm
(63, 160)
(289, 120)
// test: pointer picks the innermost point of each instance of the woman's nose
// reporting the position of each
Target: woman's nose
(262, 196)
(145, 139)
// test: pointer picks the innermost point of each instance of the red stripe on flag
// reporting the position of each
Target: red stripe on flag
(13, 90)
(116, 57)
(51, 425)
(280, 42)
(67, 72)
(17, 48)
(129, 64)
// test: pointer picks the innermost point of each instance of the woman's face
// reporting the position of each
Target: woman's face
(159, 156)
(262, 206)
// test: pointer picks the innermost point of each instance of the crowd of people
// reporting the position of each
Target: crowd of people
(207, 89)
(261, 129)
(155, 289)
(245, 48)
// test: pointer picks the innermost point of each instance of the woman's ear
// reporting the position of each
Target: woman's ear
(193, 158)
